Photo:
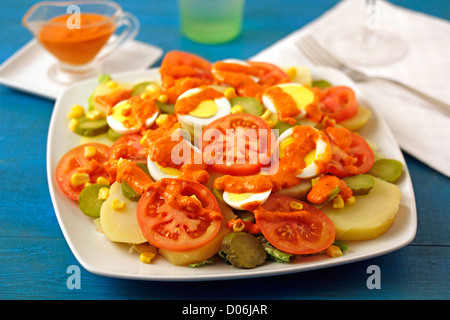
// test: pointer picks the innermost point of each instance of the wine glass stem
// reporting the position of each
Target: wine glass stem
(372, 21)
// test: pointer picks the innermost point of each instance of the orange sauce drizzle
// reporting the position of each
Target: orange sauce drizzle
(189, 103)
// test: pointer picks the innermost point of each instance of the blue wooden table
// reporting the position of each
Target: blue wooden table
(34, 256)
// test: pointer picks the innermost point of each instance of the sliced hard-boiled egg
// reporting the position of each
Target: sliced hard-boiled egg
(122, 120)
(239, 200)
(207, 108)
(274, 98)
(315, 159)
(159, 171)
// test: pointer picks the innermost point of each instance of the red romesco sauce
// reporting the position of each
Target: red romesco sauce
(284, 104)
(191, 164)
(243, 184)
(141, 110)
(293, 162)
(108, 101)
(324, 187)
(189, 103)
(236, 68)
(76, 46)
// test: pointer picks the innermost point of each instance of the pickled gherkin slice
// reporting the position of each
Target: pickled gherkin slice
(249, 105)
(243, 250)
(387, 169)
(360, 184)
(89, 201)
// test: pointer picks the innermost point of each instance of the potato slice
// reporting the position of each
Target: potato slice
(120, 225)
(358, 121)
(370, 216)
(183, 258)
(301, 75)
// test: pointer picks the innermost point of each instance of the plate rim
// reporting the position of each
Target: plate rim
(235, 274)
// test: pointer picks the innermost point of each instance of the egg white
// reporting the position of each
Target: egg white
(156, 172)
(118, 126)
(261, 197)
(311, 170)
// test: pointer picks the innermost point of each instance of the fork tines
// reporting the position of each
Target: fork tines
(316, 53)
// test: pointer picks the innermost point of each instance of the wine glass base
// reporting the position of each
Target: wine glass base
(366, 48)
(67, 75)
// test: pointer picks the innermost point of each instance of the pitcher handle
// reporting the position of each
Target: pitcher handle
(130, 32)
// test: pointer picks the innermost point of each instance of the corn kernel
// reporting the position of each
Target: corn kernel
(146, 257)
(292, 73)
(296, 205)
(230, 93)
(143, 140)
(112, 84)
(145, 95)
(73, 124)
(238, 226)
(338, 202)
(79, 179)
(350, 200)
(95, 115)
(89, 151)
(162, 119)
(117, 204)
(77, 111)
(334, 251)
(266, 115)
(153, 88)
(237, 109)
(271, 123)
(103, 193)
(102, 180)
(163, 98)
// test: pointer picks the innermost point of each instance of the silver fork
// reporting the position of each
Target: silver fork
(318, 55)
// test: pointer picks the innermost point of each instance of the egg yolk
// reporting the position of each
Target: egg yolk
(205, 109)
(121, 112)
(236, 197)
(168, 170)
(301, 95)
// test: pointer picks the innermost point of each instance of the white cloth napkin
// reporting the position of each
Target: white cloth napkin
(422, 132)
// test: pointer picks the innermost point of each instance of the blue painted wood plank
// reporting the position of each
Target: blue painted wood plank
(35, 256)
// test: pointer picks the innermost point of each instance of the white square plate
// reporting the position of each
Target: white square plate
(28, 69)
(100, 256)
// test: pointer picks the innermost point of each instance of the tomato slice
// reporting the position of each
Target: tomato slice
(171, 218)
(75, 161)
(181, 71)
(294, 230)
(338, 103)
(129, 147)
(350, 153)
(238, 144)
(179, 64)
(270, 74)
